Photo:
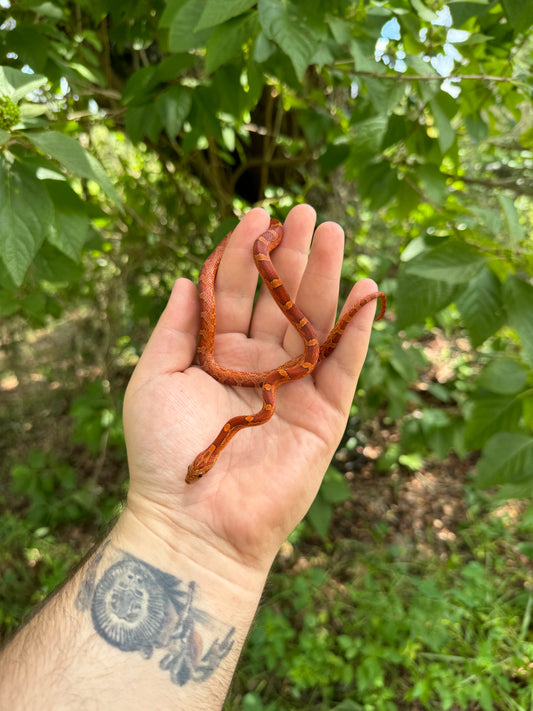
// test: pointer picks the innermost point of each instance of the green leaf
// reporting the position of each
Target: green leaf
(418, 298)
(445, 132)
(216, 12)
(369, 674)
(525, 548)
(413, 461)
(507, 458)
(378, 184)
(347, 705)
(25, 215)
(227, 41)
(514, 228)
(48, 9)
(202, 118)
(403, 363)
(463, 10)
(432, 182)
(526, 520)
(363, 58)
(428, 88)
(334, 488)
(143, 121)
(263, 48)
(526, 138)
(147, 79)
(503, 376)
(340, 29)
(74, 158)
(519, 14)
(320, 515)
(173, 107)
(477, 129)
(252, 702)
(528, 411)
(366, 143)
(483, 215)
(28, 41)
(289, 31)
(29, 110)
(87, 74)
(70, 227)
(518, 297)
(453, 261)
(54, 266)
(17, 84)
(333, 156)
(491, 413)
(9, 304)
(180, 19)
(440, 432)
(424, 12)
(385, 95)
(481, 306)
(4, 136)
(316, 125)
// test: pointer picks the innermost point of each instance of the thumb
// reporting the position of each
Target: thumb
(172, 345)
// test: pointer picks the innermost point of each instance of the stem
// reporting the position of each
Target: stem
(434, 77)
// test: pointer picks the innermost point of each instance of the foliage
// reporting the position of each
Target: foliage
(96, 419)
(54, 494)
(33, 563)
(333, 491)
(402, 632)
(132, 135)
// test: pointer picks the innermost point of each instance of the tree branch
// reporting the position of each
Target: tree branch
(524, 188)
(432, 77)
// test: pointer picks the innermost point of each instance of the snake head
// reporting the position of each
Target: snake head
(192, 475)
(201, 465)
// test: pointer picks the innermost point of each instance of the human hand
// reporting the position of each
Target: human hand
(266, 478)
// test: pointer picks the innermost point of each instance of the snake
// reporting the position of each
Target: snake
(269, 380)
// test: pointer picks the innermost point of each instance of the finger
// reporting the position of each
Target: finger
(318, 294)
(336, 377)
(236, 280)
(172, 345)
(289, 260)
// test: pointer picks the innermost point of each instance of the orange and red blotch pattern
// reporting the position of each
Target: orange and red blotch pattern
(270, 380)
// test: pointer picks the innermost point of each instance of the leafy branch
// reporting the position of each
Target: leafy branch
(435, 77)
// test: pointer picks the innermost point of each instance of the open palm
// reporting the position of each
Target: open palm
(266, 478)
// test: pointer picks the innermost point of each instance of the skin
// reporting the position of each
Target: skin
(224, 531)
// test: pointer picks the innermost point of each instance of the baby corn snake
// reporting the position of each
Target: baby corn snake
(269, 380)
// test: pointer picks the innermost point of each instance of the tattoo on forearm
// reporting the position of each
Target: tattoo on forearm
(139, 608)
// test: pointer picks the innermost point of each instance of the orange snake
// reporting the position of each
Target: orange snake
(270, 380)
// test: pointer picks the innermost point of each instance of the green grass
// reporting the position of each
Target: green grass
(344, 624)
(373, 628)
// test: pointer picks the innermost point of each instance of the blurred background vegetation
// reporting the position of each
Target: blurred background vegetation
(133, 135)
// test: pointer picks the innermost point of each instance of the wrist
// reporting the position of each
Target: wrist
(187, 553)
(142, 621)
(211, 597)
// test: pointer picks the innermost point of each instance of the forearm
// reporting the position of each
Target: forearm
(139, 626)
